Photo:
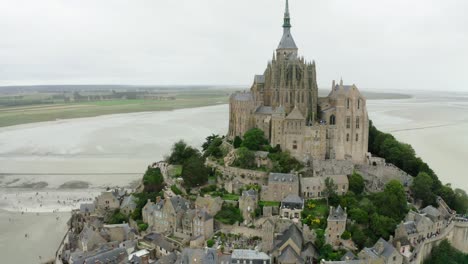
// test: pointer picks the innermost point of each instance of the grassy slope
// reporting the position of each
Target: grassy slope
(37, 113)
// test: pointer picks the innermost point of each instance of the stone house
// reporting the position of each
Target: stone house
(118, 232)
(107, 201)
(292, 248)
(248, 203)
(381, 252)
(197, 222)
(198, 256)
(313, 187)
(291, 207)
(162, 247)
(165, 215)
(128, 205)
(89, 239)
(249, 256)
(336, 225)
(280, 185)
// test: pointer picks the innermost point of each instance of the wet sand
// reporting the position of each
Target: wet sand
(114, 150)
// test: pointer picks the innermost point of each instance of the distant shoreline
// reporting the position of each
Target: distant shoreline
(45, 106)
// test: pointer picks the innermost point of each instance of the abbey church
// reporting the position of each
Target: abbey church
(284, 103)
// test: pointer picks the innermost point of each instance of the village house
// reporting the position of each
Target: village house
(313, 187)
(249, 256)
(128, 205)
(336, 225)
(198, 256)
(381, 252)
(248, 203)
(158, 245)
(279, 186)
(108, 201)
(292, 248)
(291, 207)
(195, 223)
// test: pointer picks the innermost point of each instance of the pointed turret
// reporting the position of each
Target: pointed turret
(287, 41)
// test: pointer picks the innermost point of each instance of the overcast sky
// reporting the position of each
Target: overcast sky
(384, 44)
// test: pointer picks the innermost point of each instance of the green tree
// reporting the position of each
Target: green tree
(330, 189)
(358, 236)
(254, 139)
(194, 172)
(153, 180)
(214, 148)
(181, 152)
(210, 243)
(382, 226)
(244, 158)
(237, 142)
(359, 215)
(421, 189)
(444, 253)
(284, 162)
(356, 183)
(392, 201)
(208, 141)
(117, 218)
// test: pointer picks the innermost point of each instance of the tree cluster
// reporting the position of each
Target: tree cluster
(153, 180)
(404, 157)
(444, 253)
(194, 171)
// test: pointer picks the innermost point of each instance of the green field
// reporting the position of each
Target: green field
(30, 110)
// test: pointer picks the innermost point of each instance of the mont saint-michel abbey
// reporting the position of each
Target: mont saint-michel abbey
(284, 103)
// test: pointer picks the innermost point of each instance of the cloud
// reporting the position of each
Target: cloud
(387, 44)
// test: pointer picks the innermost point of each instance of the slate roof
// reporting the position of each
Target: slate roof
(280, 110)
(112, 256)
(431, 212)
(348, 256)
(410, 227)
(288, 255)
(249, 193)
(337, 214)
(169, 259)
(159, 240)
(282, 177)
(246, 254)
(292, 198)
(381, 249)
(295, 114)
(292, 233)
(266, 110)
(87, 208)
(129, 201)
(205, 256)
(287, 41)
(179, 203)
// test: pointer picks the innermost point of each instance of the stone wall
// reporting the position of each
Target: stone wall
(377, 176)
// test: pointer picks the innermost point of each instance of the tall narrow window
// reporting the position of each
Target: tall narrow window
(348, 102)
(359, 104)
(332, 120)
(347, 137)
(348, 122)
(357, 137)
(294, 144)
(357, 122)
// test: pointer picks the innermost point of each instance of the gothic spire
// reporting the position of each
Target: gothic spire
(287, 18)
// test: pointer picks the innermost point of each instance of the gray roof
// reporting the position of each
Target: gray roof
(288, 255)
(246, 254)
(280, 110)
(169, 259)
(159, 240)
(431, 212)
(295, 114)
(87, 208)
(129, 201)
(259, 79)
(410, 227)
(112, 256)
(282, 177)
(244, 96)
(292, 233)
(205, 256)
(292, 198)
(337, 214)
(249, 193)
(179, 203)
(381, 248)
(287, 41)
(348, 256)
(266, 110)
